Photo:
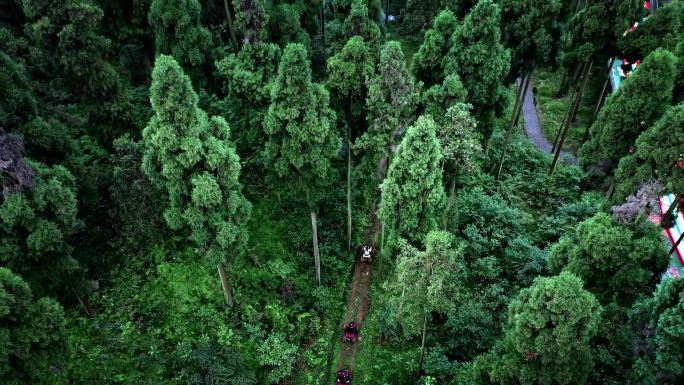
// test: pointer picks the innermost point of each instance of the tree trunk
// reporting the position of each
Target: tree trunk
(349, 206)
(577, 6)
(323, 25)
(507, 138)
(561, 86)
(87, 305)
(387, 10)
(422, 342)
(317, 257)
(576, 75)
(578, 99)
(450, 202)
(518, 103)
(566, 118)
(597, 107)
(227, 289)
(350, 119)
(568, 123)
(522, 99)
(231, 28)
(382, 238)
(667, 221)
(676, 244)
(609, 193)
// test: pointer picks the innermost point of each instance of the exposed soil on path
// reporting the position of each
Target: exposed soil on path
(357, 302)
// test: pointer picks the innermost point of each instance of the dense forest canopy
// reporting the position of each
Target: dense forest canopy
(208, 192)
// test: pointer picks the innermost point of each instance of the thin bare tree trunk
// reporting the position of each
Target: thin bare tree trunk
(507, 138)
(522, 99)
(382, 238)
(561, 87)
(227, 289)
(422, 342)
(450, 202)
(317, 256)
(575, 106)
(231, 28)
(349, 206)
(323, 24)
(578, 99)
(567, 113)
(597, 107)
(518, 103)
(609, 193)
(387, 10)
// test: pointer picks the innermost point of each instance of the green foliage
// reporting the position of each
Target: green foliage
(637, 104)
(18, 101)
(482, 63)
(660, 361)
(427, 62)
(284, 25)
(531, 30)
(251, 19)
(137, 203)
(193, 158)
(596, 28)
(547, 335)
(35, 227)
(66, 33)
(658, 150)
(391, 103)
(486, 222)
(412, 193)
(616, 263)
(417, 14)
(301, 141)
(426, 282)
(460, 144)
(358, 23)
(278, 355)
(247, 76)
(663, 29)
(178, 32)
(348, 73)
(440, 97)
(33, 333)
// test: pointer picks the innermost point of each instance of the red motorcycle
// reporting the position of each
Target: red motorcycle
(351, 331)
(343, 377)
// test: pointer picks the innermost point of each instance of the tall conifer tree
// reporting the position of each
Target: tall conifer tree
(193, 158)
(301, 141)
(348, 75)
(392, 101)
(637, 104)
(482, 63)
(547, 335)
(412, 193)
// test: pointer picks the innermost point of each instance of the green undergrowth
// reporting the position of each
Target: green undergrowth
(552, 109)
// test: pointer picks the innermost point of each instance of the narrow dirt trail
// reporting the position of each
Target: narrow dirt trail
(533, 127)
(358, 300)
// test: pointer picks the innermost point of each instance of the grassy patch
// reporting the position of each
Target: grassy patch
(409, 44)
(552, 109)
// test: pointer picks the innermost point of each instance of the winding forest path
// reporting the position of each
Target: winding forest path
(357, 302)
(533, 127)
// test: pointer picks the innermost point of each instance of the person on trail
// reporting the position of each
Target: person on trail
(366, 252)
(351, 327)
(343, 377)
